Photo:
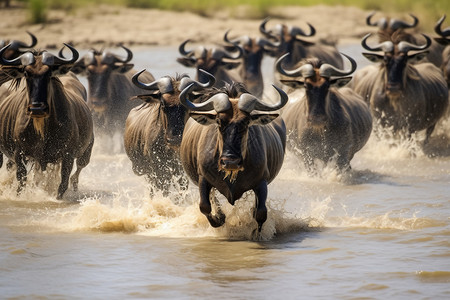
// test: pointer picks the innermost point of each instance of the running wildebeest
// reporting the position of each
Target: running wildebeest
(253, 50)
(216, 61)
(403, 94)
(444, 41)
(46, 120)
(229, 146)
(110, 87)
(153, 131)
(331, 121)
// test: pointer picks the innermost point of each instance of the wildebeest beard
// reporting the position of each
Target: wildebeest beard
(232, 174)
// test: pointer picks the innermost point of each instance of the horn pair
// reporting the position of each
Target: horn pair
(47, 58)
(220, 102)
(388, 46)
(307, 70)
(394, 24)
(164, 84)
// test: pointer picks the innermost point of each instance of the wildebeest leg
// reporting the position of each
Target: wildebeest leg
(205, 204)
(81, 163)
(1, 159)
(21, 172)
(66, 169)
(428, 134)
(261, 209)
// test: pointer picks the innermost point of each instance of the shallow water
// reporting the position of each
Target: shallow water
(380, 232)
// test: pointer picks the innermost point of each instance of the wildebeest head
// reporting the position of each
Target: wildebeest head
(286, 36)
(395, 60)
(389, 25)
(15, 48)
(444, 39)
(38, 68)
(165, 92)
(208, 59)
(232, 110)
(98, 66)
(317, 78)
(253, 50)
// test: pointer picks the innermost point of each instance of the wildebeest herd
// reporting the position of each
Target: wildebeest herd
(217, 129)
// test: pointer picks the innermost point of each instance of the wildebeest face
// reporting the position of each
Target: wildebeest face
(233, 126)
(395, 68)
(174, 118)
(98, 76)
(316, 91)
(37, 77)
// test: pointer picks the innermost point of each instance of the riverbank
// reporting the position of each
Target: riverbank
(107, 26)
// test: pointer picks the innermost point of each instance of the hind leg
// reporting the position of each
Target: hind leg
(82, 162)
(21, 172)
(261, 209)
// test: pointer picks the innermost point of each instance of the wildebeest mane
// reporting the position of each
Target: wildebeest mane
(233, 90)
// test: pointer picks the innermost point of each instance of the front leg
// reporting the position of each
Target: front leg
(261, 209)
(205, 204)
(66, 169)
(21, 171)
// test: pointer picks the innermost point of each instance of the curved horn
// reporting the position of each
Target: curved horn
(248, 102)
(127, 59)
(386, 46)
(24, 59)
(404, 46)
(219, 102)
(438, 29)
(182, 50)
(305, 70)
(369, 19)
(145, 86)
(227, 40)
(19, 44)
(186, 81)
(327, 70)
(262, 29)
(397, 24)
(51, 60)
(298, 31)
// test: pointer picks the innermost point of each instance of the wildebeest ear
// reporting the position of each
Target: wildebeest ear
(187, 61)
(263, 119)
(230, 65)
(61, 69)
(203, 118)
(79, 67)
(149, 98)
(373, 57)
(123, 68)
(296, 84)
(442, 41)
(340, 82)
(418, 56)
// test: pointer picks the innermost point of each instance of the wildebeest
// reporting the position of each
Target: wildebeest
(253, 50)
(405, 96)
(154, 130)
(46, 120)
(109, 87)
(216, 61)
(387, 26)
(290, 40)
(444, 41)
(233, 149)
(329, 122)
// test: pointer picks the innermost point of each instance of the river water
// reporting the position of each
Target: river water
(380, 232)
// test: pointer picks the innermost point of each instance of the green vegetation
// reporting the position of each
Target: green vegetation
(424, 9)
